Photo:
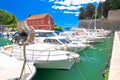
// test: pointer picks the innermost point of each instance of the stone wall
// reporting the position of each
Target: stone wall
(114, 15)
(91, 23)
(112, 22)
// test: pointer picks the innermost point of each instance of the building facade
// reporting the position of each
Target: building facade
(4, 28)
(41, 21)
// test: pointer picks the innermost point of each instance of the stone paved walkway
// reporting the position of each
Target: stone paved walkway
(114, 73)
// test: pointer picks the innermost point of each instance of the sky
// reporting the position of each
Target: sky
(64, 12)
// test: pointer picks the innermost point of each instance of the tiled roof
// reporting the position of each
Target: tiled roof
(37, 16)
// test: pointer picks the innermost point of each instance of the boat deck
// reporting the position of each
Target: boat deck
(11, 68)
(114, 73)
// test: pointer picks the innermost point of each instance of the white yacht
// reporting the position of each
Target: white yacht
(40, 34)
(90, 34)
(48, 36)
(63, 41)
(45, 55)
(74, 37)
(10, 68)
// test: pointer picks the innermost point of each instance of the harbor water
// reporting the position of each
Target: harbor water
(91, 66)
(93, 62)
(4, 41)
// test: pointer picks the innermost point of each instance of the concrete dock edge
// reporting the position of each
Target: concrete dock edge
(114, 72)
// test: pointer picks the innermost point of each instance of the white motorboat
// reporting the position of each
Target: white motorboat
(74, 37)
(63, 41)
(90, 34)
(10, 68)
(45, 55)
(48, 36)
(41, 34)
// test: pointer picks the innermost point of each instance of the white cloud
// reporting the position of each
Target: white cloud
(70, 12)
(66, 7)
(73, 2)
(70, 4)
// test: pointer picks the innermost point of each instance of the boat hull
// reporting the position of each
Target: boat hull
(97, 39)
(60, 64)
(52, 59)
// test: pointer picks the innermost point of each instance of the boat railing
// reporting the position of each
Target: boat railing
(36, 55)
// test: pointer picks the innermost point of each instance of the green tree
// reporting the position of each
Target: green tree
(8, 19)
(90, 11)
(13, 26)
(5, 17)
(82, 13)
(103, 8)
(13, 22)
(115, 4)
(110, 5)
(106, 6)
(100, 10)
(56, 27)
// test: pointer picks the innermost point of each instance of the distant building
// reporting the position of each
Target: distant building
(41, 21)
(4, 28)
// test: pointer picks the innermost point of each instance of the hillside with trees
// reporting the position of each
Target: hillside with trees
(106, 14)
(102, 10)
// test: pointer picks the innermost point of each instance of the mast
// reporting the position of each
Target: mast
(95, 17)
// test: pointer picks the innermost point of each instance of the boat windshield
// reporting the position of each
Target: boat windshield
(49, 34)
(64, 41)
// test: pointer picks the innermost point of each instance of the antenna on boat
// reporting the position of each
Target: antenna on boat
(26, 37)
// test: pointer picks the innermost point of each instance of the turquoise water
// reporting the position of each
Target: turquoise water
(4, 41)
(93, 62)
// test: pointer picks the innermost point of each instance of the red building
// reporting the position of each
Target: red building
(41, 21)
